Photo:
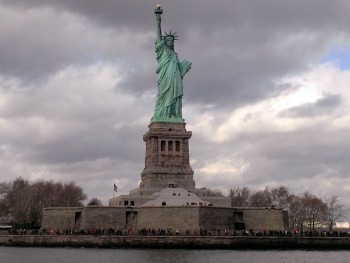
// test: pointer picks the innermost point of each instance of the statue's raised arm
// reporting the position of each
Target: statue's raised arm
(158, 11)
(170, 74)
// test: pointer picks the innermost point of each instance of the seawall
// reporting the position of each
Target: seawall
(184, 242)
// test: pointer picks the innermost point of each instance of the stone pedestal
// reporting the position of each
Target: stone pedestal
(167, 162)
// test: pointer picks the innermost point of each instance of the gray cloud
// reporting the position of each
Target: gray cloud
(325, 105)
(240, 47)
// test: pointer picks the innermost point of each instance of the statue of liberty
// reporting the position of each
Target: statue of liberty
(170, 72)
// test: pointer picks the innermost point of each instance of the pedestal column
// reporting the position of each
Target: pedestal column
(167, 161)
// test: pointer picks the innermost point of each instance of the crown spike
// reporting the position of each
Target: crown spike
(170, 34)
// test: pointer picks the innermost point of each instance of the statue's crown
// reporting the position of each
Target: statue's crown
(172, 35)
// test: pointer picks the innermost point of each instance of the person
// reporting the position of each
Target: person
(170, 72)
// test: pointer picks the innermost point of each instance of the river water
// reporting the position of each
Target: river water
(84, 255)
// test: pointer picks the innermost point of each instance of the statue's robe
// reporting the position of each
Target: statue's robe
(170, 89)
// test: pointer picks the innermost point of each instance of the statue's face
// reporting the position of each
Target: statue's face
(169, 41)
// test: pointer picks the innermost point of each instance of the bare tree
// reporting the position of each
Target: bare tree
(280, 196)
(72, 195)
(240, 197)
(296, 213)
(213, 192)
(261, 198)
(314, 209)
(19, 198)
(334, 211)
(4, 206)
(24, 200)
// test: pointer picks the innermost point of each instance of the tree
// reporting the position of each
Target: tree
(240, 197)
(306, 208)
(94, 202)
(4, 206)
(72, 195)
(314, 209)
(19, 199)
(261, 198)
(214, 192)
(296, 212)
(24, 200)
(280, 196)
(334, 211)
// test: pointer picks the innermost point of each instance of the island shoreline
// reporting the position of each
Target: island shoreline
(178, 242)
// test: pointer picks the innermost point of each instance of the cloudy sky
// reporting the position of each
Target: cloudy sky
(267, 98)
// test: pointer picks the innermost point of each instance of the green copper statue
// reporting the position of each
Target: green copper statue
(170, 73)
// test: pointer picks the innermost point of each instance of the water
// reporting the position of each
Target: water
(82, 255)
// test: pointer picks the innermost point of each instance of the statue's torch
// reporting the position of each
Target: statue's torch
(158, 11)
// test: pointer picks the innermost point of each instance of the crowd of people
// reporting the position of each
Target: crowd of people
(188, 232)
